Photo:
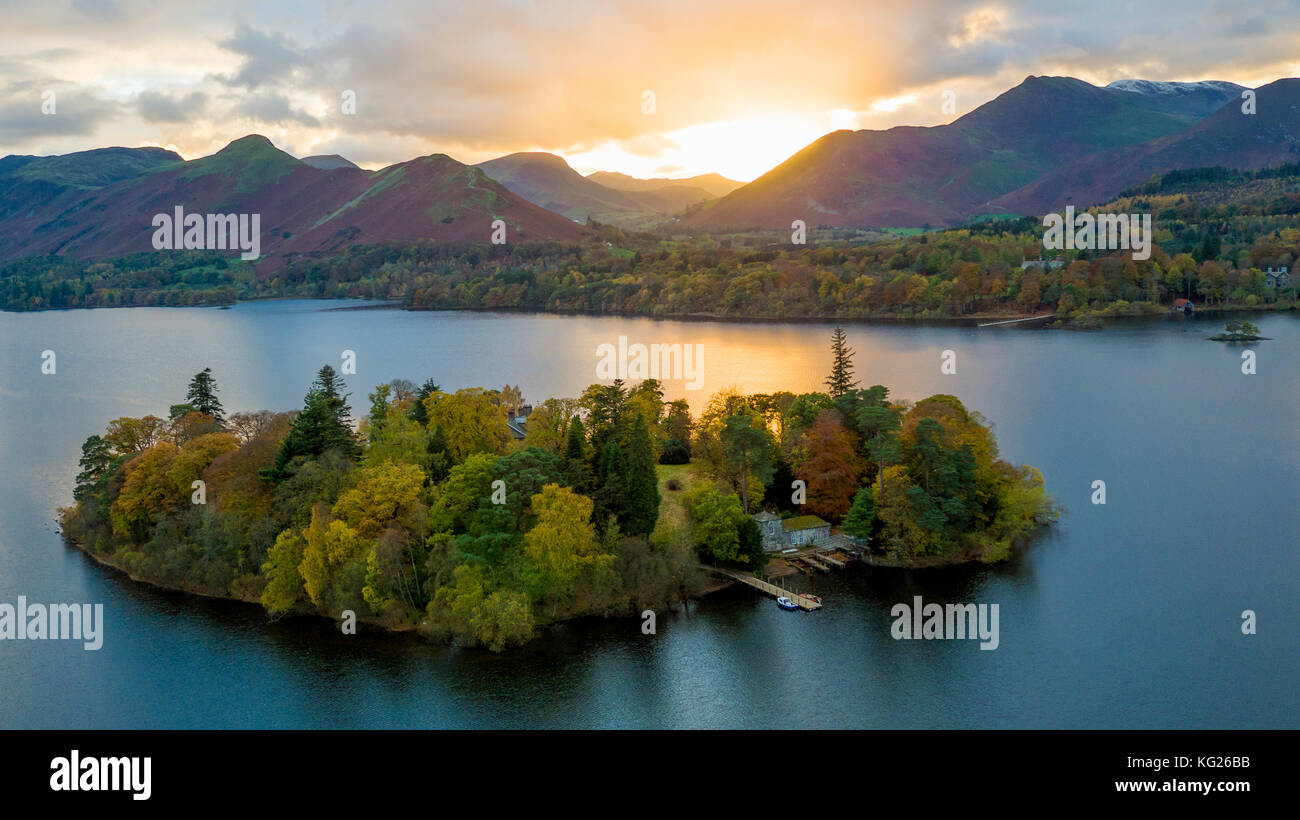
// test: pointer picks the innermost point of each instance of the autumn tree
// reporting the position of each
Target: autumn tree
(561, 544)
(832, 468)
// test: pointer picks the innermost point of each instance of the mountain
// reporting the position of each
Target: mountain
(328, 162)
(1199, 99)
(714, 185)
(302, 208)
(547, 180)
(1228, 138)
(912, 176)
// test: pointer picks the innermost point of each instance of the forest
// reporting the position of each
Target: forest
(1216, 231)
(428, 514)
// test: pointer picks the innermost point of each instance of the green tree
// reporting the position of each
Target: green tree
(642, 499)
(284, 591)
(611, 484)
(96, 457)
(561, 544)
(324, 424)
(379, 406)
(748, 452)
(202, 394)
(841, 378)
(576, 471)
(861, 520)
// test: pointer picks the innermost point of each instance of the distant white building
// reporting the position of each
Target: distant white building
(1044, 264)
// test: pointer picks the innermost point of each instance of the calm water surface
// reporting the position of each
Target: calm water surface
(1127, 615)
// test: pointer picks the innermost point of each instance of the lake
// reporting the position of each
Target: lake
(1126, 615)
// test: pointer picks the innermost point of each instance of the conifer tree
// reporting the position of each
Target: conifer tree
(202, 395)
(642, 481)
(576, 472)
(325, 423)
(841, 379)
(611, 485)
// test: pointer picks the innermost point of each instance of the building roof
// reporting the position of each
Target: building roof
(803, 522)
(766, 516)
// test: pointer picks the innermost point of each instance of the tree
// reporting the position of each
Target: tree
(249, 425)
(677, 430)
(748, 451)
(379, 405)
(832, 468)
(324, 424)
(861, 520)
(333, 564)
(385, 495)
(202, 395)
(548, 424)
(419, 411)
(284, 591)
(561, 544)
(470, 420)
(611, 484)
(717, 518)
(841, 377)
(127, 435)
(642, 499)
(576, 471)
(96, 457)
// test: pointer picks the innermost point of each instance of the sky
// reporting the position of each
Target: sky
(656, 88)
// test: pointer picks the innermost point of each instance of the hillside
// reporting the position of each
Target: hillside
(547, 180)
(1227, 138)
(912, 176)
(303, 208)
(713, 185)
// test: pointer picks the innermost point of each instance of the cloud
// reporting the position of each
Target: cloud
(157, 106)
(29, 111)
(269, 57)
(270, 108)
(496, 76)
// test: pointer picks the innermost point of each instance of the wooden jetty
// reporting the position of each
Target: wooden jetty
(770, 589)
(835, 562)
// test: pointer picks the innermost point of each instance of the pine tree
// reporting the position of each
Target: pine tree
(861, 520)
(611, 485)
(419, 412)
(841, 379)
(576, 471)
(642, 482)
(325, 423)
(96, 456)
(379, 410)
(202, 395)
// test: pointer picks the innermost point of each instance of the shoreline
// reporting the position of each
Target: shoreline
(1039, 321)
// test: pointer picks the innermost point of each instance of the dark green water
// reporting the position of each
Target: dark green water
(1127, 615)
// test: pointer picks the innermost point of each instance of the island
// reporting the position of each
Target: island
(1238, 331)
(474, 517)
